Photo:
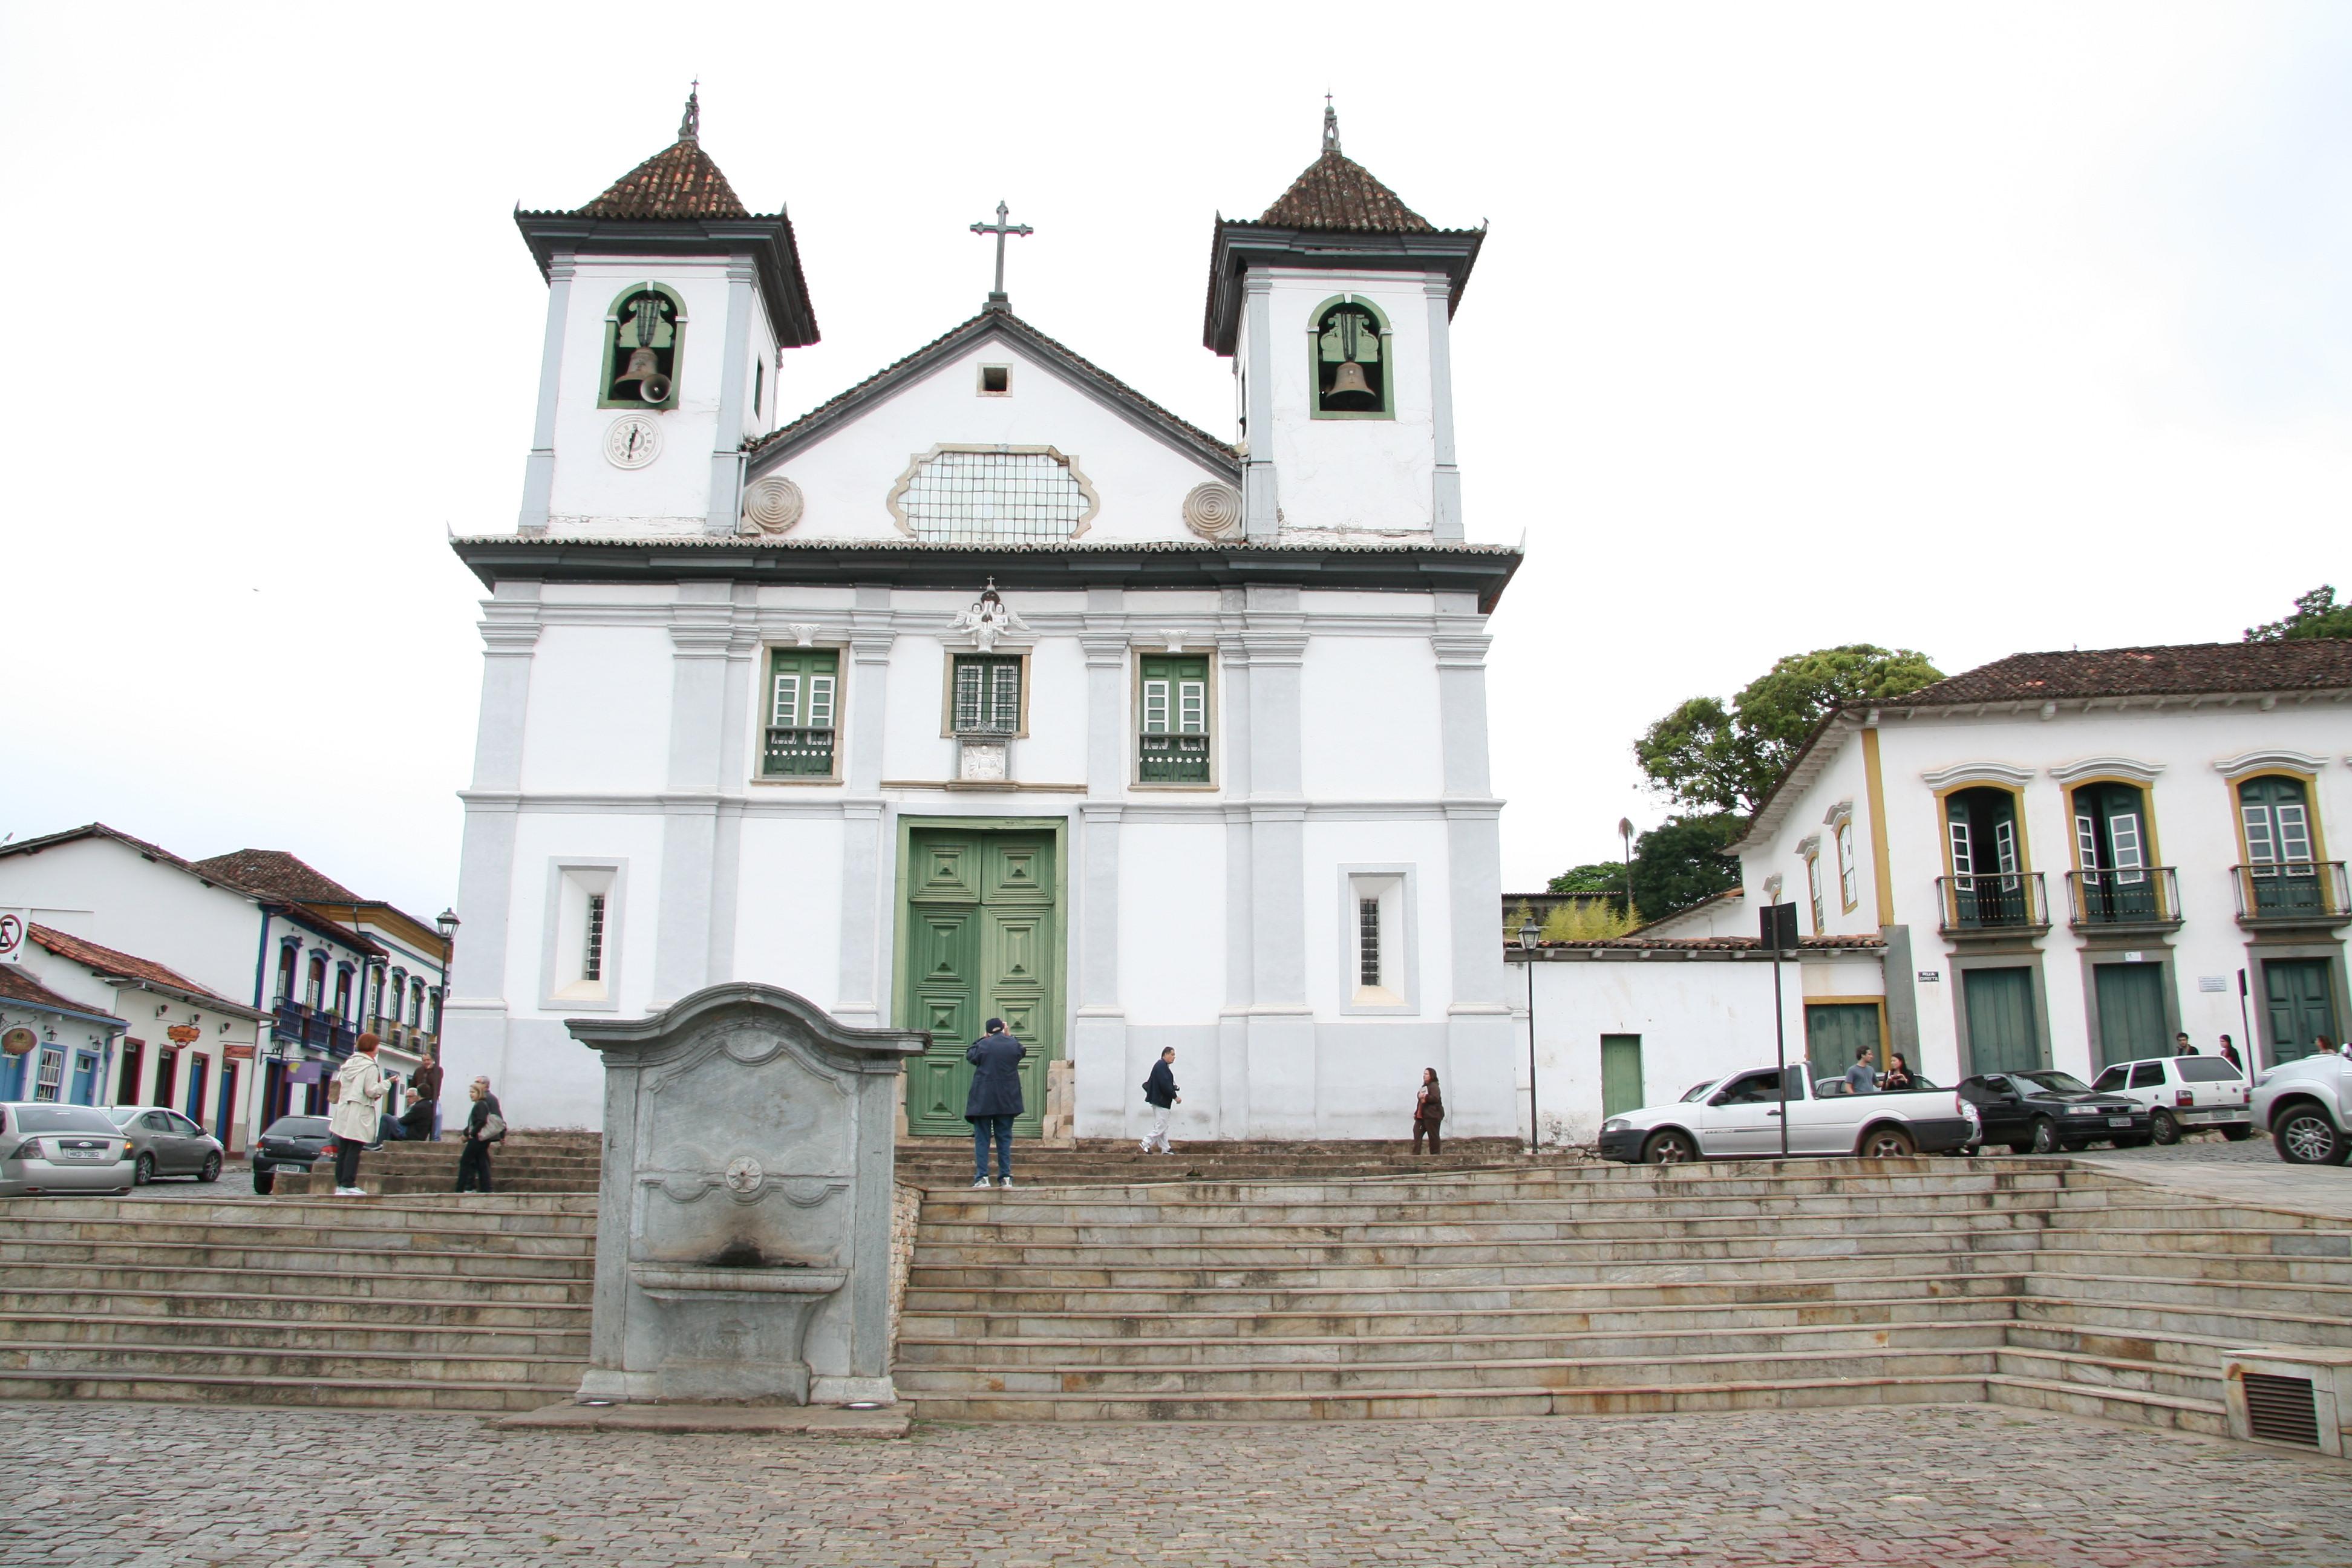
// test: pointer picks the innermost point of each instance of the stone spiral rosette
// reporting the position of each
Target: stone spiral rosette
(774, 504)
(1214, 511)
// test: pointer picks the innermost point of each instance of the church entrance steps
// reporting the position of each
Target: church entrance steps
(480, 1303)
(945, 1162)
(558, 1164)
(1569, 1290)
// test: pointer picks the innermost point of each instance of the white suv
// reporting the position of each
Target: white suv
(2182, 1094)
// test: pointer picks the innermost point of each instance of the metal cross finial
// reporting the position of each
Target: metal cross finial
(689, 127)
(999, 229)
(1331, 126)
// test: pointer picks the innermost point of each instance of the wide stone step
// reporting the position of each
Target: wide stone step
(201, 1388)
(2129, 1317)
(237, 1253)
(377, 1366)
(2058, 1259)
(2162, 1379)
(420, 1237)
(1270, 1277)
(1791, 1247)
(457, 1342)
(1530, 1221)
(569, 1212)
(2208, 1416)
(199, 1308)
(347, 1283)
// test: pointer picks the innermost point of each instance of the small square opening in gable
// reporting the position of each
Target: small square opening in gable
(996, 381)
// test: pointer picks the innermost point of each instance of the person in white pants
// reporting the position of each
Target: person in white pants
(1159, 1093)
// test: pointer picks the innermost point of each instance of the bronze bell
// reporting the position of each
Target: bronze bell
(642, 363)
(1350, 382)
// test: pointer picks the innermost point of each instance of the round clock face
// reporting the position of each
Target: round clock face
(633, 441)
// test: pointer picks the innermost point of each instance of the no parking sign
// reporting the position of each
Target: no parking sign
(13, 926)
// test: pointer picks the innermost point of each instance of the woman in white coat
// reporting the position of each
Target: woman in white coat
(359, 1091)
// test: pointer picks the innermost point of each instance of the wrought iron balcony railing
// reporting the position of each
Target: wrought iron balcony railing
(2291, 892)
(2146, 895)
(1994, 901)
(797, 753)
(1172, 759)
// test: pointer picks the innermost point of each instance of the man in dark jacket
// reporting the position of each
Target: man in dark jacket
(994, 1100)
(426, 1085)
(1159, 1093)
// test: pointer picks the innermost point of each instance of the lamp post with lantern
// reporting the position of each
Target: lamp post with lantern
(446, 922)
(1528, 935)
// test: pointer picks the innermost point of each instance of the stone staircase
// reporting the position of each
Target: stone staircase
(1595, 1289)
(522, 1163)
(945, 1162)
(432, 1303)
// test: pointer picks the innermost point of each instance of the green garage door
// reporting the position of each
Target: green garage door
(2302, 1005)
(2002, 1035)
(1835, 1031)
(2131, 1012)
(1621, 1073)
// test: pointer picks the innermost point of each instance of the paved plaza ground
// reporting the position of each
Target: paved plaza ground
(95, 1484)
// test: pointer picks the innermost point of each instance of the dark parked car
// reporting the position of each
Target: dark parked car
(289, 1143)
(2044, 1112)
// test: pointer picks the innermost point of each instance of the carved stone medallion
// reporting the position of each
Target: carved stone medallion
(744, 1175)
(774, 504)
(1214, 511)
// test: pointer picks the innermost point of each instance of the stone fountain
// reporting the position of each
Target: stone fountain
(743, 1230)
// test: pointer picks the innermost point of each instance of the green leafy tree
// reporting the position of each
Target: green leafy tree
(1708, 758)
(1595, 877)
(1683, 860)
(2317, 615)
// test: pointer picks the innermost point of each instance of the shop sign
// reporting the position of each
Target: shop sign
(236, 1051)
(185, 1034)
(19, 1040)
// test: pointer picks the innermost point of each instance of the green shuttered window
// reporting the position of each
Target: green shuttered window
(1172, 721)
(803, 704)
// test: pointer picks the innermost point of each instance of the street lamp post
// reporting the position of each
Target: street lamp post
(1528, 935)
(447, 923)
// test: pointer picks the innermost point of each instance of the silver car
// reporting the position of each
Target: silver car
(165, 1143)
(49, 1148)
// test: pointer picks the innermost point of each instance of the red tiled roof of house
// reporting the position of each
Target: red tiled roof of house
(279, 875)
(16, 987)
(1337, 192)
(2180, 670)
(110, 960)
(679, 182)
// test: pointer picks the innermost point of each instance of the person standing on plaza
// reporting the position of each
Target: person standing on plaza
(358, 1094)
(1898, 1079)
(1428, 1112)
(426, 1085)
(994, 1100)
(2180, 1046)
(486, 1124)
(1159, 1093)
(1859, 1078)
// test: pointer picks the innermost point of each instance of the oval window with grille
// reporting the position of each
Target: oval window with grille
(993, 495)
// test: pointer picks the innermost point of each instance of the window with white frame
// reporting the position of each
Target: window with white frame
(1811, 850)
(1849, 874)
(581, 963)
(1378, 973)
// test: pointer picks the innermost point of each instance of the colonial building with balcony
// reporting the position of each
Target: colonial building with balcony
(2069, 856)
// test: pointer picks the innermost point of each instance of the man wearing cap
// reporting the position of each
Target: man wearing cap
(994, 1100)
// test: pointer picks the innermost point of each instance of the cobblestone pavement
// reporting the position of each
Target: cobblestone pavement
(96, 1484)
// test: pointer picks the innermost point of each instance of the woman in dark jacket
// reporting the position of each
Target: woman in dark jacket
(994, 1100)
(1428, 1111)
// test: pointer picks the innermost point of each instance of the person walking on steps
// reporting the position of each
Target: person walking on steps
(357, 1101)
(1428, 1111)
(1159, 1093)
(994, 1100)
(485, 1124)
(425, 1085)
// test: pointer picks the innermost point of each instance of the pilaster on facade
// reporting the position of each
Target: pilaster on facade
(1446, 481)
(1261, 497)
(539, 468)
(726, 456)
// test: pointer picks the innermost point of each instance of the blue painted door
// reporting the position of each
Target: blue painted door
(85, 1078)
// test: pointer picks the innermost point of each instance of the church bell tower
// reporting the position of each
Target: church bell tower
(669, 306)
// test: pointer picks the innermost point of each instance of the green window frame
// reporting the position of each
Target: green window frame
(801, 713)
(1347, 330)
(1172, 720)
(662, 326)
(984, 696)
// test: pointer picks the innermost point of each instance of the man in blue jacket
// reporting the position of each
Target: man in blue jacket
(994, 1100)
(1159, 1093)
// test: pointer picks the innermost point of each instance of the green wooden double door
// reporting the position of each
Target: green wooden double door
(982, 941)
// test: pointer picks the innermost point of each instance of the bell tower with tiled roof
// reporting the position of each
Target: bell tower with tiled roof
(1336, 307)
(669, 303)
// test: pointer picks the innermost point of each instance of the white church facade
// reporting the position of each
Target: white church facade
(990, 688)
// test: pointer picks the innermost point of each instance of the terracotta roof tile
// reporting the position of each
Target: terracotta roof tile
(18, 987)
(109, 960)
(2181, 670)
(1337, 192)
(279, 875)
(679, 182)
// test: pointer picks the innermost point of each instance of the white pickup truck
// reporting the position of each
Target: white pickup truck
(1739, 1118)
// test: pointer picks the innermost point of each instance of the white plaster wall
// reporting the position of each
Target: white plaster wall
(1352, 473)
(1369, 720)
(1056, 750)
(109, 893)
(1697, 1018)
(847, 476)
(599, 714)
(541, 839)
(1416, 842)
(912, 746)
(677, 485)
(1172, 926)
(788, 904)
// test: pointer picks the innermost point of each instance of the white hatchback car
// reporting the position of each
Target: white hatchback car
(2183, 1094)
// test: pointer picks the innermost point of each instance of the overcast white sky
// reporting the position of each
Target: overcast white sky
(1971, 328)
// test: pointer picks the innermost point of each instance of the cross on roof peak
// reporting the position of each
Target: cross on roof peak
(1000, 229)
(1331, 126)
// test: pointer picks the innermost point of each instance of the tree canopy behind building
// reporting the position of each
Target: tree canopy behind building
(2317, 615)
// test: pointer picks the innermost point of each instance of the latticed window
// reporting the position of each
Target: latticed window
(1173, 720)
(592, 959)
(987, 696)
(804, 698)
(1368, 942)
(994, 496)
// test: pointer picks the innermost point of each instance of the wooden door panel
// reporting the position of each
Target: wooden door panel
(1019, 869)
(980, 931)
